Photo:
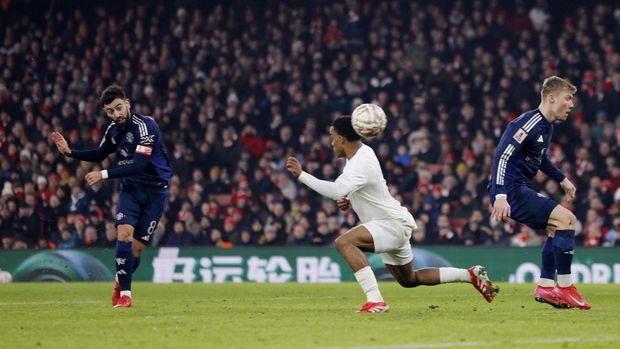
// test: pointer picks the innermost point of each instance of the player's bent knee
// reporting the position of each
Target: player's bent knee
(562, 218)
(567, 220)
(341, 242)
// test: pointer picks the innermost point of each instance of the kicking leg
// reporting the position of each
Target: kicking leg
(407, 277)
(350, 245)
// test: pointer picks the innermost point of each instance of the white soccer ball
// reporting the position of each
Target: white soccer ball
(5, 277)
(368, 120)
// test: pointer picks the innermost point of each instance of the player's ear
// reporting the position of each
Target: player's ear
(127, 103)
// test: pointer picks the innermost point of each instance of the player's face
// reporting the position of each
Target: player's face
(563, 104)
(118, 110)
(337, 142)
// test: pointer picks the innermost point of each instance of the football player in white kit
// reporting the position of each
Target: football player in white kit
(385, 227)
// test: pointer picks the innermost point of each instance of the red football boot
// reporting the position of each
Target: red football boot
(124, 302)
(374, 307)
(571, 297)
(547, 295)
(482, 283)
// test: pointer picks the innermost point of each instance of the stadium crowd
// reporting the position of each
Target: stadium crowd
(236, 87)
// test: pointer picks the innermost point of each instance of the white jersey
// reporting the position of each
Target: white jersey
(363, 184)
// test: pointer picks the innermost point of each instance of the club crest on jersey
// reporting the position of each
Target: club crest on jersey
(129, 137)
(520, 135)
(119, 216)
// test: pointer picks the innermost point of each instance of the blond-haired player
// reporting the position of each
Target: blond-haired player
(521, 152)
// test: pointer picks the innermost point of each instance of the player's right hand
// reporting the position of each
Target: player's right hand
(501, 210)
(293, 166)
(343, 204)
(61, 143)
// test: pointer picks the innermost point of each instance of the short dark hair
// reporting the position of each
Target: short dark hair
(111, 93)
(342, 125)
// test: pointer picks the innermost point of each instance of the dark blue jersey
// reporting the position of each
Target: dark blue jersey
(140, 152)
(521, 152)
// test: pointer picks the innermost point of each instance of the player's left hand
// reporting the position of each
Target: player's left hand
(569, 188)
(293, 166)
(94, 177)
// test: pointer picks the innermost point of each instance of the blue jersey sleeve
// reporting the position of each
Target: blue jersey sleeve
(550, 170)
(106, 147)
(509, 146)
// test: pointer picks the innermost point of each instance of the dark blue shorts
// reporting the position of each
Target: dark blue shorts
(141, 207)
(528, 207)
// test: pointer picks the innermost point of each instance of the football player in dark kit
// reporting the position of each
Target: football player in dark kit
(520, 154)
(145, 172)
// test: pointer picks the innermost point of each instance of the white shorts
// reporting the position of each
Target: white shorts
(391, 239)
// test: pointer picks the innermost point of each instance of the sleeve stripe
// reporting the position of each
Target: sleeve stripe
(533, 121)
(144, 150)
(503, 162)
(105, 134)
(141, 126)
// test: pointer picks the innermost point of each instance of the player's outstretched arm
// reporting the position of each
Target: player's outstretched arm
(61, 143)
(328, 189)
(92, 155)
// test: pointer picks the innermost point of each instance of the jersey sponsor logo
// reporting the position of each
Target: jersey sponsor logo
(147, 139)
(129, 137)
(146, 237)
(124, 152)
(520, 135)
(541, 195)
(540, 139)
(144, 150)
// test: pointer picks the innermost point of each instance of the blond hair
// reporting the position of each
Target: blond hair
(555, 83)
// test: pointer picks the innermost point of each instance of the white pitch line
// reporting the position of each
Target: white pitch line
(486, 343)
(51, 302)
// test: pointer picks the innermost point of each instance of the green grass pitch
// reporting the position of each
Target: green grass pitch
(79, 315)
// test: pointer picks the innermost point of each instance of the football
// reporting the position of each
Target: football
(5, 277)
(368, 120)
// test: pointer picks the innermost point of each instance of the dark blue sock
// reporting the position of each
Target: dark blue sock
(136, 263)
(124, 264)
(547, 269)
(563, 246)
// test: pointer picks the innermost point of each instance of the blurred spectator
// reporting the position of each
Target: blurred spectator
(178, 237)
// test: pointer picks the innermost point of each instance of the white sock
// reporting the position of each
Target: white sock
(126, 293)
(565, 280)
(366, 278)
(546, 282)
(453, 275)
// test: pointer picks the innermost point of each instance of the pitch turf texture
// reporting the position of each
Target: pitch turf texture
(79, 315)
